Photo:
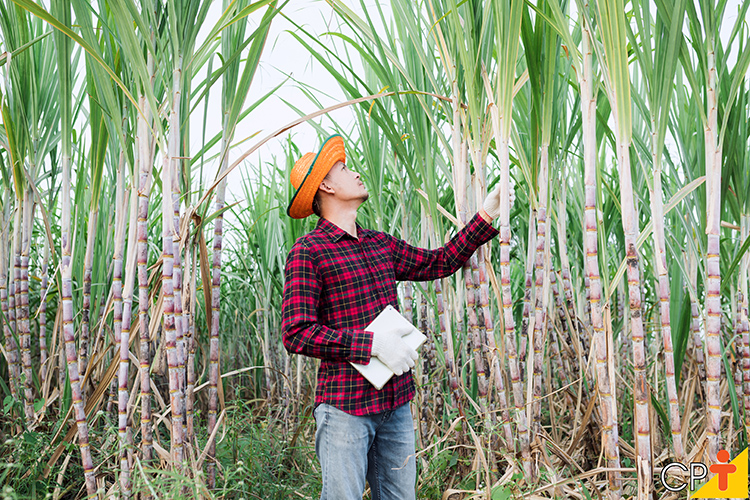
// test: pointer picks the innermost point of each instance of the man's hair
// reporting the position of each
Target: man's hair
(316, 199)
(316, 204)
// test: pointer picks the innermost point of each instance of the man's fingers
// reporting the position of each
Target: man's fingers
(405, 330)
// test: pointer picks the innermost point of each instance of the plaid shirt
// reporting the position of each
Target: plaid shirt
(336, 284)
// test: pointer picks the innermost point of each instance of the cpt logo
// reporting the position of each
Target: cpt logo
(730, 480)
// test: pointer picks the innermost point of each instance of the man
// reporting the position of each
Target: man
(338, 278)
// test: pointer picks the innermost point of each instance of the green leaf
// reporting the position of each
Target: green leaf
(31, 437)
(501, 492)
(8, 403)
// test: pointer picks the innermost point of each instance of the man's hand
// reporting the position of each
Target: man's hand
(491, 204)
(388, 346)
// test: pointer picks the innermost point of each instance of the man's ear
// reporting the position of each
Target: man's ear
(325, 187)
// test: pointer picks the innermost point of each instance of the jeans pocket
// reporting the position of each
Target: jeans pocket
(320, 413)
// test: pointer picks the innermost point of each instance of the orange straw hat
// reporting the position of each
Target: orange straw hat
(309, 171)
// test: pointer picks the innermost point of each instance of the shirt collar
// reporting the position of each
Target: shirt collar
(336, 233)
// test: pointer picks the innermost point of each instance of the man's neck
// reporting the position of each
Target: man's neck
(344, 218)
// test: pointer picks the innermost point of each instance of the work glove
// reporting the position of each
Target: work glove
(389, 348)
(492, 202)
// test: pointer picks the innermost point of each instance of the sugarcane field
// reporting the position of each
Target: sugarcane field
(374, 249)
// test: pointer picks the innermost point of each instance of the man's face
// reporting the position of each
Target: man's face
(346, 183)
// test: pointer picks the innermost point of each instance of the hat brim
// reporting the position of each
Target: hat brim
(331, 152)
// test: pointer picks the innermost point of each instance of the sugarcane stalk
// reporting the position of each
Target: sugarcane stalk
(145, 166)
(695, 321)
(61, 10)
(190, 345)
(119, 242)
(713, 278)
(608, 406)
(479, 263)
(11, 345)
(510, 337)
(120, 339)
(213, 370)
(736, 340)
(641, 391)
(83, 348)
(66, 294)
(24, 302)
(127, 307)
(12, 297)
(475, 339)
(62, 370)
(426, 354)
(587, 302)
(555, 348)
(540, 305)
(175, 136)
(617, 78)
(494, 360)
(17, 294)
(43, 355)
(657, 209)
(528, 292)
(16, 315)
(168, 317)
(447, 337)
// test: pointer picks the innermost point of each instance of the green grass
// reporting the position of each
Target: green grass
(255, 457)
(260, 458)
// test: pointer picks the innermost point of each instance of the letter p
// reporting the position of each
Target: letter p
(696, 476)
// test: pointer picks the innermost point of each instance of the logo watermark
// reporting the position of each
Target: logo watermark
(730, 480)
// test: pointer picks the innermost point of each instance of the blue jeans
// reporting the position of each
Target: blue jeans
(379, 448)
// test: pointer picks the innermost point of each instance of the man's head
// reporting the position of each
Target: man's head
(340, 188)
(323, 182)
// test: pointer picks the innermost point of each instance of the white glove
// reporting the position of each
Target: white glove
(492, 202)
(389, 348)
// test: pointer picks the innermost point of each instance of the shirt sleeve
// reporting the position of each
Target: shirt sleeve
(301, 329)
(419, 264)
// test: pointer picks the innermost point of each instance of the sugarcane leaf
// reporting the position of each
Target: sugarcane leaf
(646, 232)
(681, 318)
(60, 26)
(22, 48)
(660, 411)
(725, 283)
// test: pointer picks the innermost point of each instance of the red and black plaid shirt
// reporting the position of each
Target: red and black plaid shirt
(336, 284)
